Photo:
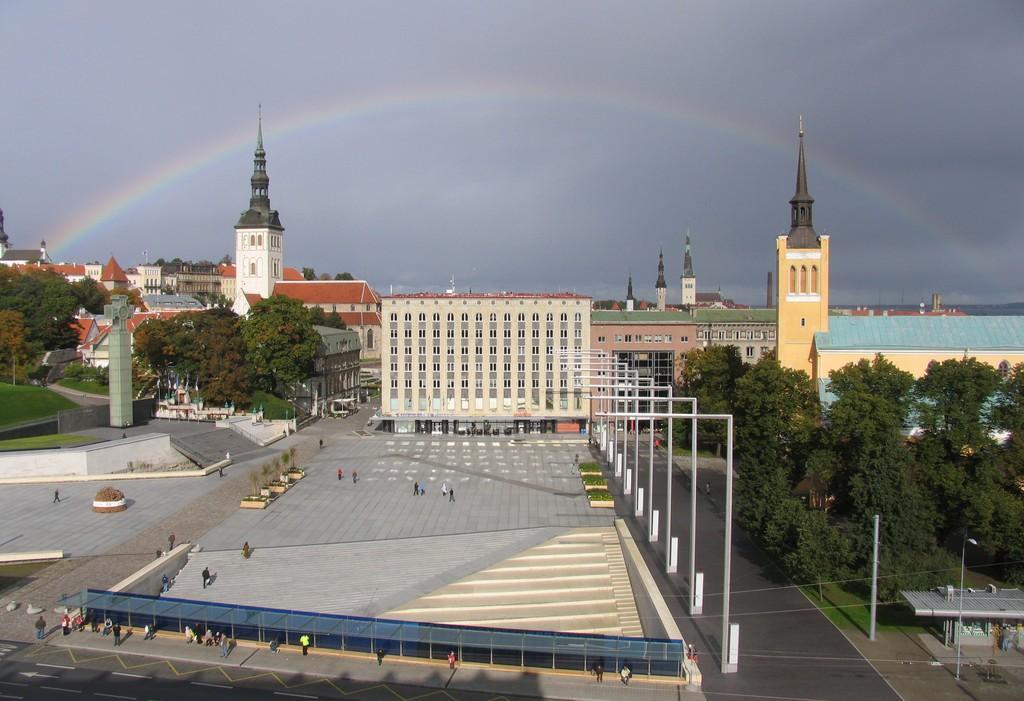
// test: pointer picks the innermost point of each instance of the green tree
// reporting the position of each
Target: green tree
(90, 295)
(46, 303)
(321, 318)
(710, 374)
(218, 350)
(308, 274)
(775, 413)
(343, 276)
(280, 342)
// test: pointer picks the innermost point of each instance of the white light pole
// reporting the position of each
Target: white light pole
(960, 614)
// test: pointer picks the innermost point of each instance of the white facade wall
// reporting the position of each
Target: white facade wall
(482, 356)
(259, 260)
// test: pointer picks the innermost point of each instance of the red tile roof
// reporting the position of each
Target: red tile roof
(328, 291)
(293, 275)
(112, 272)
(226, 270)
(488, 295)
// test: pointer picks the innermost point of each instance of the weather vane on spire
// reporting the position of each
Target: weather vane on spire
(801, 125)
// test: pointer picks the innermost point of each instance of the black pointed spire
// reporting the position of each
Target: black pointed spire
(661, 271)
(629, 288)
(259, 214)
(688, 259)
(801, 231)
(3, 235)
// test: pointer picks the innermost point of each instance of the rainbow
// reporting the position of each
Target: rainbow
(106, 209)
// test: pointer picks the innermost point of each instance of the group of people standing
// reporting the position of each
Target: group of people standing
(419, 490)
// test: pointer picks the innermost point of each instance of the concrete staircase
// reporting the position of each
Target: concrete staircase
(211, 446)
(575, 582)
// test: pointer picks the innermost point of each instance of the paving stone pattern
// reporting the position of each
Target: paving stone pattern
(189, 508)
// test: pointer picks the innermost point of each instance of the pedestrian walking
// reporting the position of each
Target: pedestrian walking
(147, 632)
(625, 673)
(206, 576)
(321, 444)
(170, 542)
(225, 646)
(56, 496)
(599, 671)
(355, 476)
(451, 495)
(117, 634)
(416, 489)
(451, 659)
(65, 625)
(707, 489)
(220, 470)
(444, 489)
(341, 473)
(40, 628)
(304, 642)
(380, 656)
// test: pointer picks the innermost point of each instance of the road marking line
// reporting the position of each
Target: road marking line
(10, 696)
(134, 676)
(216, 686)
(55, 666)
(113, 696)
(299, 696)
(60, 688)
(14, 683)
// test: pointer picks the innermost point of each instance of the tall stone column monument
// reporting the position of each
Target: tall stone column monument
(119, 313)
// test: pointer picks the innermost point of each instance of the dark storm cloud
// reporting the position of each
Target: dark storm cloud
(533, 145)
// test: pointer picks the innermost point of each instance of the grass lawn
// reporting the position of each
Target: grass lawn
(273, 407)
(10, 575)
(686, 451)
(85, 386)
(849, 609)
(27, 402)
(55, 440)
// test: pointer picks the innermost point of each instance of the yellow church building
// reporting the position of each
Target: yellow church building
(809, 339)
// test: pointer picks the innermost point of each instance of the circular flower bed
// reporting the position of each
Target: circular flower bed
(109, 500)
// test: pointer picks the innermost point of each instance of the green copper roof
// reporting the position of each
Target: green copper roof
(639, 317)
(734, 316)
(951, 333)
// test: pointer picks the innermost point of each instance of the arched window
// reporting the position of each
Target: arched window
(508, 317)
(394, 316)
(423, 317)
(479, 317)
(451, 317)
(564, 317)
(536, 316)
(803, 279)
(252, 268)
(408, 316)
(814, 279)
(437, 317)
(550, 317)
(252, 240)
(1004, 369)
(369, 339)
(259, 239)
(465, 317)
(579, 317)
(792, 279)
(494, 317)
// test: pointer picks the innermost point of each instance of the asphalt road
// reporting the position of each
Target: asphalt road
(788, 649)
(21, 677)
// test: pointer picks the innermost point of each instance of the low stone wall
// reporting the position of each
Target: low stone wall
(96, 459)
(149, 579)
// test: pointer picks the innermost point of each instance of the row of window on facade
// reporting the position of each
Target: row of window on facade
(798, 280)
(506, 349)
(643, 338)
(463, 403)
(250, 241)
(492, 333)
(735, 335)
(493, 317)
(478, 384)
(478, 366)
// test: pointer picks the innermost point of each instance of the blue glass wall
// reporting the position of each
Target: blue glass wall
(499, 646)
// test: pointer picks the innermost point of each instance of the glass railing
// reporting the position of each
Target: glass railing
(498, 646)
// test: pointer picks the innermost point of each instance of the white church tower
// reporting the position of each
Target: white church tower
(688, 281)
(259, 240)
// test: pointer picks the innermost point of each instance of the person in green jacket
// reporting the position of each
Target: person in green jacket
(304, 641)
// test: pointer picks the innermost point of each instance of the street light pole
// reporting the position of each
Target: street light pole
(960, 614)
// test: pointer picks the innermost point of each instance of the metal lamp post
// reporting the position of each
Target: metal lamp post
(960, 613)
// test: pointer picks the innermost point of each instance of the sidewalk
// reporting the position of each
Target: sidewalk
(348, 667)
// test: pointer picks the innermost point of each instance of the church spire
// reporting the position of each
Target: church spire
(629, 289)
(688, 259)
(801, 231)
(259, 213)
(661, 271)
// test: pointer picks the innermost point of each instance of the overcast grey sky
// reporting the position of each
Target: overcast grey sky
(527, 145)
